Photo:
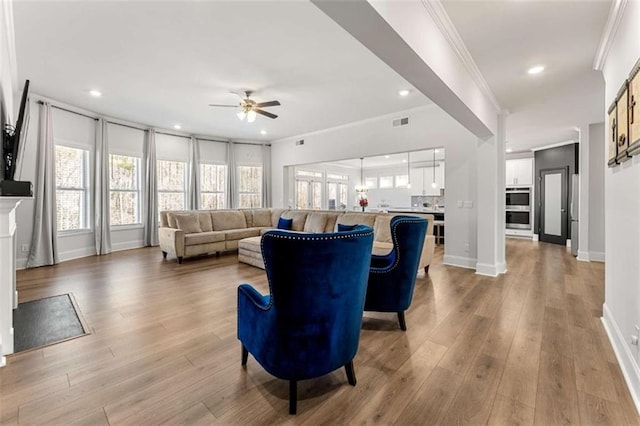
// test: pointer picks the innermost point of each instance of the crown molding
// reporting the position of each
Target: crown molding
(554, 145)
(611, 27)
(436, 10)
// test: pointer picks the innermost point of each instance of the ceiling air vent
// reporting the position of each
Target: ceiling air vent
(300, 142)
(401, 122)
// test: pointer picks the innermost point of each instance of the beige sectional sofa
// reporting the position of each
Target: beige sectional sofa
(196, 232)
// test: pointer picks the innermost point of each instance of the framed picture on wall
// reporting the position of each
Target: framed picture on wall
(634, 110)
(622, 122)
(613, 131)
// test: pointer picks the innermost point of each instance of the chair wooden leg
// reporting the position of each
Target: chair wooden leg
(351, 374)
(164, 254)
(245, 355)
(403, 324)
(293, 396)
(426, 269)
(179, 259)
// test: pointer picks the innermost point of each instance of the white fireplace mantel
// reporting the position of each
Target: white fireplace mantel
(8, 293)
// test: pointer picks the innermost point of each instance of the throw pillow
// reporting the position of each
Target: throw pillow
(188, 223)
(284, 223)
(346, 228)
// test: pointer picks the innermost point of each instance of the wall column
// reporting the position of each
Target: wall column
(8, 293)
(490, 202)
(583, 170)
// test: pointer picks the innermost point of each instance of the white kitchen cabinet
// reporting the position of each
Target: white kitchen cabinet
(415, 176)
(519, 172)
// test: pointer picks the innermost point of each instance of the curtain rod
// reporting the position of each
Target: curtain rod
(143, 129)
(68, 110)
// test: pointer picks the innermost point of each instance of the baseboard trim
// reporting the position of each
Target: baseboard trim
(127, 245)
(583, 256)
(459, 261)
(596, 256)
(488, 269)
(536, 237)
(501, 267)
(628, 364)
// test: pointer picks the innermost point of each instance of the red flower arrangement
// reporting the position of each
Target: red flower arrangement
(364, 202)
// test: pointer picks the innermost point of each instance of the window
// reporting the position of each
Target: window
(72, 182)
(386, 181)
(337, 191)
(124, 189)
(250, 184)
(213, 181)
(171, 185)
(371, 182)
(402, 181)
(309, 189)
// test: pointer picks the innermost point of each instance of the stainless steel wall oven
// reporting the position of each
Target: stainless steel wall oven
(518, 208)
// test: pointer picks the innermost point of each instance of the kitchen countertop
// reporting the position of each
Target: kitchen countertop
(408, 210)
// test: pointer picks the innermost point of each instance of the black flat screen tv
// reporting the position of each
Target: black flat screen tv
(13, 138)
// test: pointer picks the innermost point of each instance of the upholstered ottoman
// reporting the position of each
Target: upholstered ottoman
(250, 252)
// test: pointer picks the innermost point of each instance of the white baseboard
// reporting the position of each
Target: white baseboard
(568, 243)
(127, 245)
(628, 364)
(596, 256)
(21, 263)
(488, 269)
(501, 267)
(76, 254)
(462, 262)
(583, 256)
(536, 237)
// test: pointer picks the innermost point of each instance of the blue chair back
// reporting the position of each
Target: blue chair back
(392, 277)
(311, 321)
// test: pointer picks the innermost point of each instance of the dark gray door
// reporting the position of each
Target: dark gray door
(553, 206)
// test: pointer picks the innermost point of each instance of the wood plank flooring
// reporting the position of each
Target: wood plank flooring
(524, 348)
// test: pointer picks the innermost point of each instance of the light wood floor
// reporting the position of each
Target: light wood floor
(525, 348)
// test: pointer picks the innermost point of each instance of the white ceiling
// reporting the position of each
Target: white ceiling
(415, 158)
(161, 63)
(506, 38)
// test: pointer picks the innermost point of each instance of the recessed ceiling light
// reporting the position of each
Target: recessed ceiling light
(536, 70)
(404, 161)
(437, 151)
(263, 132)
(509, 149)
(95, 93)
(403, 92)
(386, 156)
(177, 126)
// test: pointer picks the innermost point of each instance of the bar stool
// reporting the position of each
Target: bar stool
(437, 231)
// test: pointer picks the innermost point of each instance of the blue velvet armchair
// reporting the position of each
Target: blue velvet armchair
(309, 324)
(392, 277)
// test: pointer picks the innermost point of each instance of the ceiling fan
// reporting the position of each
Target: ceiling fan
(249, 108)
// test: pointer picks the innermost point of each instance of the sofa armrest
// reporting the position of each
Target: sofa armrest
(427, 251)
(171, 241)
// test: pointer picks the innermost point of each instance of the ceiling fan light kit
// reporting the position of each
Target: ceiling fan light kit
(250, 108)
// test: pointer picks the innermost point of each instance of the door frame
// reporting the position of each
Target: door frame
(564, 204)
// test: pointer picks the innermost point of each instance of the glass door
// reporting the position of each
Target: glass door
(308, 194)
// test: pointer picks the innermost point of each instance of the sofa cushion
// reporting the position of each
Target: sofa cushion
(356, 219)
(203, 238)
(275, 215)
(382, 228)
(330, 225)
(346, 228)
(171, 220)
(315, 222)
(261, 217)
(285, 223)
(248, 217)
(381, 249)
(299, 218)
(188, 222)
(205, 221)
(223, 220)
(238, 234)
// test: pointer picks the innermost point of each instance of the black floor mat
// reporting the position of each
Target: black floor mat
(45, 321)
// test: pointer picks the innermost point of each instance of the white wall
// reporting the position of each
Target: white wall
(8, 70)
(622, 209)
(429, 127)
(597, 164)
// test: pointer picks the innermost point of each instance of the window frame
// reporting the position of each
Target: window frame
(185, 171)
(86, 209)
(225, 185)
(240, 193)
(140, 223)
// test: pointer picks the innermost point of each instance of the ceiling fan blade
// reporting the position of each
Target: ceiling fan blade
(228, 106)
(265, 113)
(267, 104)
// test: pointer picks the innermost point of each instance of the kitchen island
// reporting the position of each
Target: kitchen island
(438, 217)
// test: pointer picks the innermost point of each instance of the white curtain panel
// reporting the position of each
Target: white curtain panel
(101, 190)
(232, 197)
(150, 197)
(44, 244)
(266, 175)
(194, 174)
